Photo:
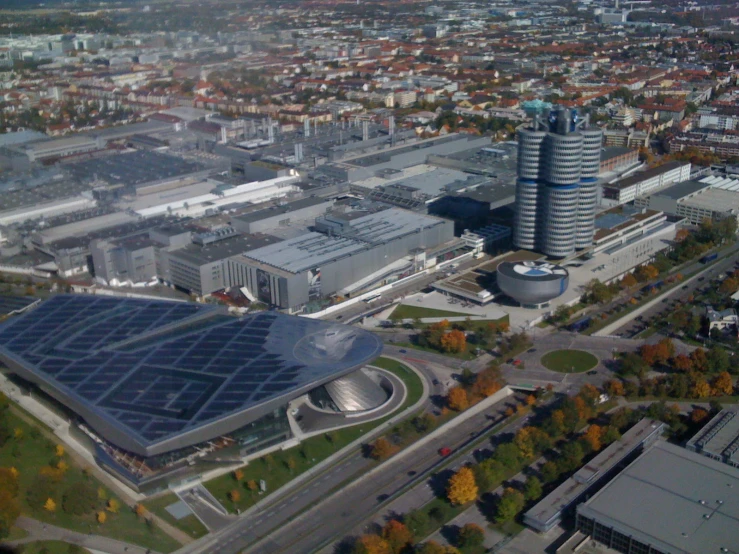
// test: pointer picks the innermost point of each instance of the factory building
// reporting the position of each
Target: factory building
(556, 191)
(352, 250)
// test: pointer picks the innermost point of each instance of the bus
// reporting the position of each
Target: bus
(709, 258)
(372, 298)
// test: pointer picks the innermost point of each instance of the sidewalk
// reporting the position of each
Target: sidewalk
(44, 531)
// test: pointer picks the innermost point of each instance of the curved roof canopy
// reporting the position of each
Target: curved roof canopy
(152, 376)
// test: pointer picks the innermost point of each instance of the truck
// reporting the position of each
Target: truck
(709, 258)
(580, 324)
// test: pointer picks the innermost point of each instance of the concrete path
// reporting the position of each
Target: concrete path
(44, 531)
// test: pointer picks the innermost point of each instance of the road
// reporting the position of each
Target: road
(676, 296)
(277, 527)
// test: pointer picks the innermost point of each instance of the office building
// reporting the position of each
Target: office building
(646, 182)
(556, 190)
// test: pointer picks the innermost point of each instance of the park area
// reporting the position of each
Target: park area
(47, 483)
(569, 361)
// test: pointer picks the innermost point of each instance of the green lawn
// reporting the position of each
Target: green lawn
(280, 467)
(569, 361)
(34, 451)
(412, 312)
(52, 547)
(189, 524)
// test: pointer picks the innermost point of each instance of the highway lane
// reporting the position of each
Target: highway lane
(276, 529)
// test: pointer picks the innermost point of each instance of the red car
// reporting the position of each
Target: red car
(445, 451)
(516, 362)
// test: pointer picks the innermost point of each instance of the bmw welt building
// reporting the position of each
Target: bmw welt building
(165, 389)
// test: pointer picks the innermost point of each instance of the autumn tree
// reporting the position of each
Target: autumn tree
(238, 474)
(50, 505)
(487, 382)
(113, 506)
(397, 535)
(371, 544)
(382, 449)
(592, 436)
(613, 387)
(723, 385)
(699, 359)
(470, 535)
(457, 399)
(462, 488)
(628, 281)
(511, 502)
(454, 341)
(698, 414)
(251, 485)
(682, 363)
(234, 496)
(102, 517)
(140, 510)
(701, 389)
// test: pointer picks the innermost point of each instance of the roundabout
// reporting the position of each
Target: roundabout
(569, 361)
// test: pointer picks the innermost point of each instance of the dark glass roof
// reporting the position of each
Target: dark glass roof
(156, 369)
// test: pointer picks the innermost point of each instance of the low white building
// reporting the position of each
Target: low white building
(645, 183)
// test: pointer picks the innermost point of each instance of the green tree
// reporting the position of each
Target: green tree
(718, 359)
(418, 522)
(488, 474)
(533, 489)
(511, 502)
(508, 455)
(571, 457)
(549, 471)
(470, 535)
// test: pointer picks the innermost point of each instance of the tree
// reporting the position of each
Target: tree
(718, 359)
(9, 480)
(533, 489)
(571, 457)
(59, 451)
(699, 359)
(549, 471)
(698, 414)
(101, 517)
(487, 382)
(683, 363)
(632, 364)
(508, 455)
(530, 400)
(488, 474)
(511, 502)
(613, 387)
(432, 547)
(113, 506)
(628, 281)
(701, 389)
(50, 505)
(454, 341)
(462, 487)
(251, 484)
(397, 535)
(592, 436)
(457, 399)
(382, 449)
(238, 474)
(417, 521)
(234, 496)
(371, 544)
(470, 535)
(140, 510)
(723, 385)
(9, 511)
(291, 464)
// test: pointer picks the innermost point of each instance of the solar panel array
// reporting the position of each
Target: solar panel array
(161, 368)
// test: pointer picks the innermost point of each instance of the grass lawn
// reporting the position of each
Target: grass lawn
(52, 547)
(412, 312)
(569, 361)
(16, 533)
(282, 466)
(33, 451)
(189, 524)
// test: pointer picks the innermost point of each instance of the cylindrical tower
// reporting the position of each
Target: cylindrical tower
(560, 221)
(591, 150)
(527, 188)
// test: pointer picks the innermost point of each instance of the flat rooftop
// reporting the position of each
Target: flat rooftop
(644, 175)
(387, 225)
(196, 254)
(681, 190)
(619, 218)
(717, 200)
(153, 376)
(43, 194)
(675, 500)
(264, 213)
(611, 152)
(305, 252)
(133, 168)
(719, 438)
(561, 498)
